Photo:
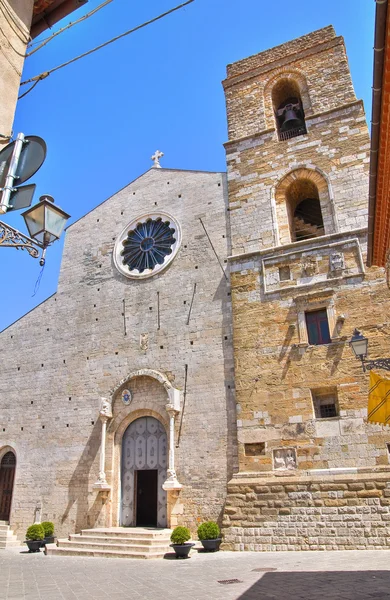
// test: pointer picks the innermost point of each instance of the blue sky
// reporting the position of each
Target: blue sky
(104, 116)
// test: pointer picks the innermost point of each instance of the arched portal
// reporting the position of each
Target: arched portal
(7, 475)
(143, 472)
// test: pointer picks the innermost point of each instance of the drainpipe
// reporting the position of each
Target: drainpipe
(379, 55)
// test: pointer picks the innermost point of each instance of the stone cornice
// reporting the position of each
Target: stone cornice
(292, 58)
(299, 246)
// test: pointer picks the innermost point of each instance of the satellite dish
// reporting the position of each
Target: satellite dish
(31, 158)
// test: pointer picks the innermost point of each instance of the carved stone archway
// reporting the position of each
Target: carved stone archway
(172, 408)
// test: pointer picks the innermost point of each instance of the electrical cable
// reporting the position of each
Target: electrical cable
(27, 37)
(38, 281)
(29, 89)
(118, 37)
(7, 58)
(22, 54)
(83, 18)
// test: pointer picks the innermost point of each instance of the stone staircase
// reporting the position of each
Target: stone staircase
(114, 542)
(7, 536)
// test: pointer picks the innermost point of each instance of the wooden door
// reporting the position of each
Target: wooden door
(7, 474)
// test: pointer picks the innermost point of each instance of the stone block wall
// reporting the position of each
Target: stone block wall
(339, 512)
(278, 372)
(73, 349)
(279, 500)
(317, 62)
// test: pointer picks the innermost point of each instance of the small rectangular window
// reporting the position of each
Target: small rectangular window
(284, 273)
(257, 449)
(317, 327)
(325, 403)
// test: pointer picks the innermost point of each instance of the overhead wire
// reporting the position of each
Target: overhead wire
(14, 23)
(29, 89)
(45, 74)
(71, 24)
(22, 54)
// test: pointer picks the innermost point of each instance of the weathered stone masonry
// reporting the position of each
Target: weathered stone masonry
(270, 435)
(60, 359)
(302, 475)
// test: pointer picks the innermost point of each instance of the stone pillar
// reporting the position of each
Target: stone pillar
(171, 483)
(105, 414)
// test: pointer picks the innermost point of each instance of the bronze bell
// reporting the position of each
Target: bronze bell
(291, 118)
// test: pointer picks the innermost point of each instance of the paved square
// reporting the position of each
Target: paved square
(353, 575)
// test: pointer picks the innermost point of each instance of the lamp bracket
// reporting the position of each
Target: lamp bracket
(12, 238)
(379, 363)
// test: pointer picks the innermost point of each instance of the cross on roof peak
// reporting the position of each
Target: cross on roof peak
(156, 158)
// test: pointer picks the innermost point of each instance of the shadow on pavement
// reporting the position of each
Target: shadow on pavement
(321, 585)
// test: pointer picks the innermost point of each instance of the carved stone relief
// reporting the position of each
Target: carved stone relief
(105, 408)
(144, 342)
(310, 429)
(284, 459)
(336, 262)
(309, 266)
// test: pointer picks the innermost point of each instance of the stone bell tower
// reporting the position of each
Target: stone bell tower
(298, 159)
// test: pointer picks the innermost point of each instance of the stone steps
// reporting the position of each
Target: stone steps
(128, 532)
(7, 537)
(117, 540)
(114, 542)
(101, 544)
(60, 551)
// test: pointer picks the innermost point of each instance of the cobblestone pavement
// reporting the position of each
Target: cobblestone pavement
(351, 575)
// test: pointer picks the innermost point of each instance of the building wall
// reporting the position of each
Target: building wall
(85, 340)
(277, 372)
(15, 19)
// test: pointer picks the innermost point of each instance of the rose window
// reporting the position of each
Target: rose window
(147, 245)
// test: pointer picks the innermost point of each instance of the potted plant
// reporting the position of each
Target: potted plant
(179, 537)
(48, 528)
(34, 537)
(210, 535)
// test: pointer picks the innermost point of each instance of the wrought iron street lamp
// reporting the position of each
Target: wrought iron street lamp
(359, 345)
(45, 223)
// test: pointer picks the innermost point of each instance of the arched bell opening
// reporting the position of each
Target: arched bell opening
(288, 109)
(304, 208)
(7, 476)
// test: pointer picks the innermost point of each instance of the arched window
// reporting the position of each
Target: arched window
(288, 109)
(304, 208)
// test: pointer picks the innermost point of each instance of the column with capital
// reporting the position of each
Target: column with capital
(105, 414)
(171, 483)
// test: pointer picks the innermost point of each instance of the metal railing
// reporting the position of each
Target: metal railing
(290, 133)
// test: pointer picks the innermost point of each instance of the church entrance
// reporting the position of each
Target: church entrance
(143, 472)
(146, 509)
(7, 474)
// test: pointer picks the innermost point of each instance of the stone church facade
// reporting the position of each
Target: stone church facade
(194, 363)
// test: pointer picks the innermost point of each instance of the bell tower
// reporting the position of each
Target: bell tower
(297, 162)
